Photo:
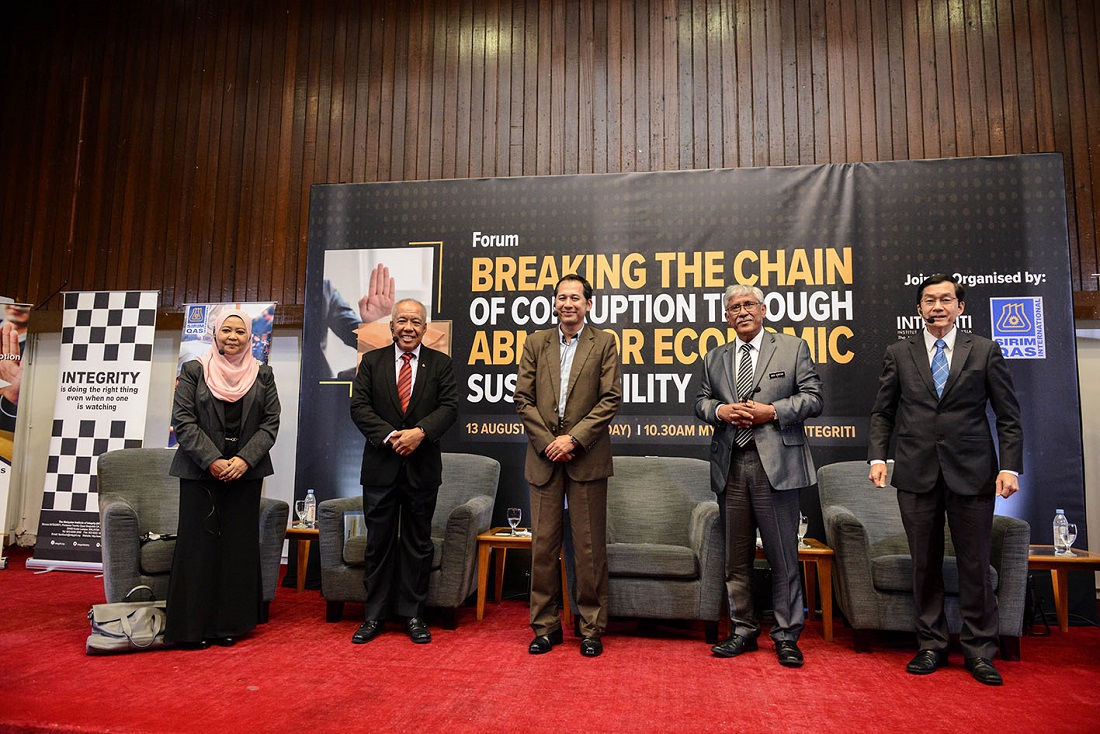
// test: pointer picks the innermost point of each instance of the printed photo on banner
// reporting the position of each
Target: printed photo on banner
(198, 328)
(13, 338)
(360, 289)
(198, 334)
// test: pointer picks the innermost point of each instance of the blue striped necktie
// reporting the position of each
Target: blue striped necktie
(939, 367)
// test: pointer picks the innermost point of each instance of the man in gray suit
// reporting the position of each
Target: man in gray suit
(757, 391)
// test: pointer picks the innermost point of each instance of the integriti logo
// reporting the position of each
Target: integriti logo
(1019, 326)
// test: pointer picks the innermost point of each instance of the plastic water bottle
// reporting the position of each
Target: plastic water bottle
(1060, 525)
(311, 509)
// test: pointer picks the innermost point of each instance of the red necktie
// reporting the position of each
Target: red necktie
(405, 381)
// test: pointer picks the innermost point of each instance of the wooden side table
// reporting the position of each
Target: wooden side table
(492, 540)
(1042, 558)
(304, 536)
(821, 556)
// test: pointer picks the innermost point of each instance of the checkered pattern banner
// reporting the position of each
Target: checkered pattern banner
(102, 396)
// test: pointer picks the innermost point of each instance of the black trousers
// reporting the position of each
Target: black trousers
(971, 521)
(398, 521)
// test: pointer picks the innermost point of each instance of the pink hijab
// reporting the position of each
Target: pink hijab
(229, 378)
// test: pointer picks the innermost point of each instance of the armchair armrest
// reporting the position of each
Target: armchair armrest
(121, 547)
(1009, 552)
(459, 558)
(273, 517)
(847, 537)
(330, 527)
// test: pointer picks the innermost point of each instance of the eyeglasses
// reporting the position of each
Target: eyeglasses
(946, 301)
(749, 307)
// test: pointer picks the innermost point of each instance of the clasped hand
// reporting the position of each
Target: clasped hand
(406, 441)
(228, 470)
(745, 414)
(560, 449)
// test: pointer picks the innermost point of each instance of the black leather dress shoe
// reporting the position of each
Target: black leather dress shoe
(983, 671)
(545, 643)
(788, 653)
(734, 646)
(367, 632)
(225, 641)
(200, 645)
(418, 631)
(591, 647)
(927, 661)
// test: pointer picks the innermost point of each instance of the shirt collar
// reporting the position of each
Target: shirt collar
(755, 342)
(576, 337)
(398, 351)
(948, 339)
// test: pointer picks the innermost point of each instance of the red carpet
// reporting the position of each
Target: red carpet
(298, 673)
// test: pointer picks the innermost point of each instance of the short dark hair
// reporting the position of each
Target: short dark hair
(580, 279)
(936, 279)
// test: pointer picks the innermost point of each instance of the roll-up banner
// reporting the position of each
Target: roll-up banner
(100, 406)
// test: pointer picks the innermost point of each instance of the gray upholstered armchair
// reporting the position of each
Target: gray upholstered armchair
(463, 511)
(665, 555)
(137, 496)
(874, 573)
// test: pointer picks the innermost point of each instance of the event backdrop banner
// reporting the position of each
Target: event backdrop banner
(198, 334)
(838, 251)
(13, 328)
(100, 406)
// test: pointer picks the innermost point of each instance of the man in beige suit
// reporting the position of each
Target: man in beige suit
(568, 389)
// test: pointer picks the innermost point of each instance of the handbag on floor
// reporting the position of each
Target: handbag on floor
(126, 626)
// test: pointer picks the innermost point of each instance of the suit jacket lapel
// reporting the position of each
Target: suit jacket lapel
(729, 363)
(963, 345)
(920, 360)
(767, 351)
(584, 348)
(422, 365)
(552, 351)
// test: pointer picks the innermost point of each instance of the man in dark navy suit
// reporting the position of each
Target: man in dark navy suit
(933, 394)
(404, 399)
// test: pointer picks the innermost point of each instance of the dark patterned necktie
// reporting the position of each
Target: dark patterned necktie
(744, 386)
(405, 381)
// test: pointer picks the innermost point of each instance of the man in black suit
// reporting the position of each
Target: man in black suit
(933, 391)
(404, 399)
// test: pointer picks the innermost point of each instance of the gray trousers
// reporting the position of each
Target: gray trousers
(750, 503)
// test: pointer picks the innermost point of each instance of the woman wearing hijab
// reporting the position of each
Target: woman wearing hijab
(226, 416)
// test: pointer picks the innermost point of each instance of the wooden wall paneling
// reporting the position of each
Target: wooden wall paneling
(253, 132)
(394, 129)
(465, 101)
(1090, 109)
(899, 90)
(886, 106)
(1044, 115)
(603, 147)
(590, 77)
(730, 92)
(676, 125)
(292, 218)
(803, 97)
(517, 107)
(782, 114)
(1063, 137)
(976, 120)
(758, 58)
(945, 100)
(637, 36)
(441, 33)
(994, 89)
(419, 109)
(834, 50)
(493, 131)
(1080, 189)
(819, 63)
(1006, 72)
(866, 81)
(957, 70)
(480, 126)
(694, 90)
